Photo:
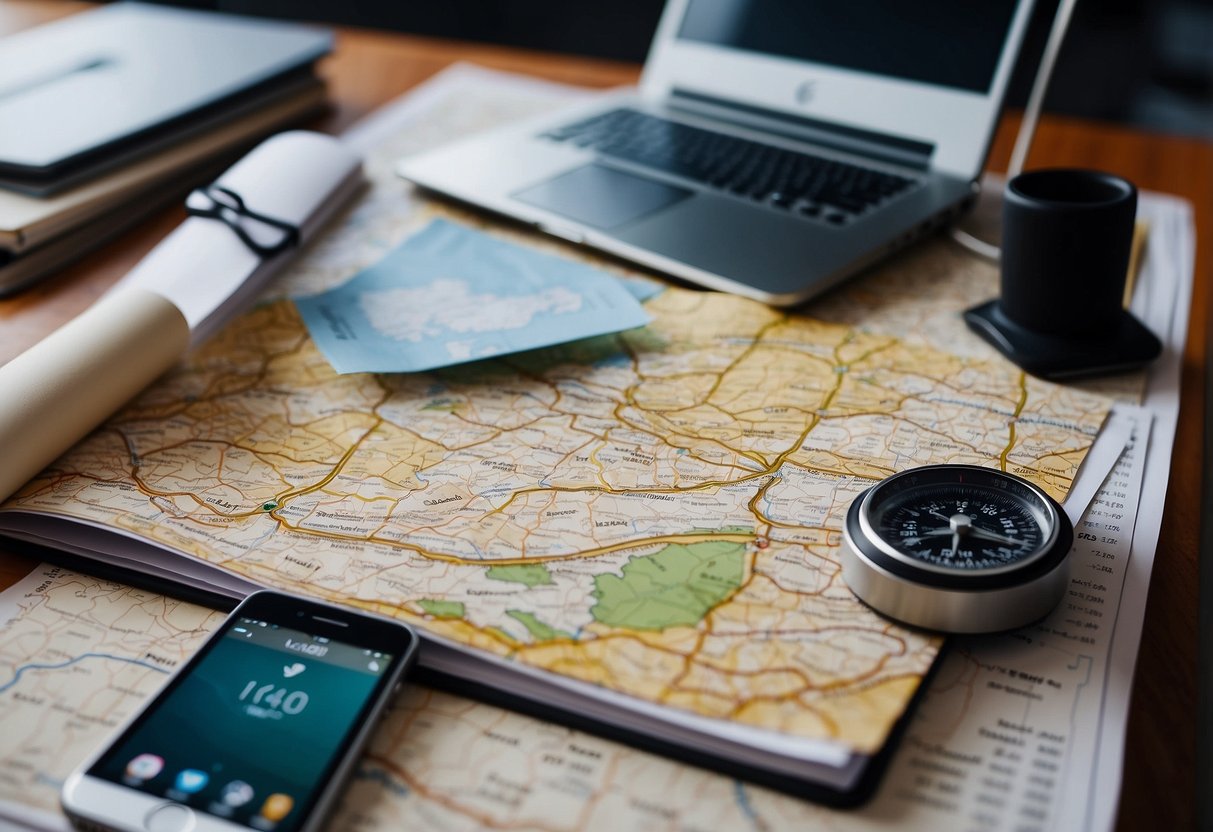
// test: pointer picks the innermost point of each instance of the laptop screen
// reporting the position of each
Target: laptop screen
(949, 43)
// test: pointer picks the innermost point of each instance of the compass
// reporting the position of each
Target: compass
(958, 548)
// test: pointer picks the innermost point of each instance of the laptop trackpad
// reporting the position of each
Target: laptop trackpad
(600, 196)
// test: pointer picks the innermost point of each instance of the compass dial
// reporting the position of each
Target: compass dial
(960, 527)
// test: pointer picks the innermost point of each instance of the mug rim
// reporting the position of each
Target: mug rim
(1124, 189)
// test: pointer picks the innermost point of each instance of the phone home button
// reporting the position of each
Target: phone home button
(171, 817)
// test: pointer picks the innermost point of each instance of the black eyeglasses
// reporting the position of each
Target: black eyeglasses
(228, 207)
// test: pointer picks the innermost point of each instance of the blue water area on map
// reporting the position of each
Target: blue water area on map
(450, 294)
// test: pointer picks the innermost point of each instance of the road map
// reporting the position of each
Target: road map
(654, 513)
(1004, 739)
(77, 657)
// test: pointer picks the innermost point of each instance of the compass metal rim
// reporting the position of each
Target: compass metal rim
(960, 611)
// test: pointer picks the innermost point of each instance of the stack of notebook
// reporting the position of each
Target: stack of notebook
(108, 115)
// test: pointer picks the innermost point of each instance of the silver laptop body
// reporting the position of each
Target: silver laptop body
(774, 147)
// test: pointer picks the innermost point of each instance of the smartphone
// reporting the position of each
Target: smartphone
(259, 730)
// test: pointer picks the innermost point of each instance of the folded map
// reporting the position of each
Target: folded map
(449, 295)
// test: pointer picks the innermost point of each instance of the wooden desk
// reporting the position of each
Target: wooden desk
(372, 68)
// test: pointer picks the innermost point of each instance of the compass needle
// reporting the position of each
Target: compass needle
(989, 535)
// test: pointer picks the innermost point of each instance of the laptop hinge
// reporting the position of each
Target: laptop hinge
(897, 150)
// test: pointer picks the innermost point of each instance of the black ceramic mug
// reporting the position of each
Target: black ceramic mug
(1066, 240)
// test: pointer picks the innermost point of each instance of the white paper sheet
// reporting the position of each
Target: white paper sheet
(1163, 301)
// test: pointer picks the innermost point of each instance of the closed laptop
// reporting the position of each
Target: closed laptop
(77, 89)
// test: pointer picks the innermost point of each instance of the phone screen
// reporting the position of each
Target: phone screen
(253, 730)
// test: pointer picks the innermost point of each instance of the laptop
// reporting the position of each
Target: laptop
(773, 148)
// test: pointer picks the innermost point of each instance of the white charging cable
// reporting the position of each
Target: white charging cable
(1031, 116)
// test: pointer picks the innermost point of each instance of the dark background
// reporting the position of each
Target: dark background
(1147, 63)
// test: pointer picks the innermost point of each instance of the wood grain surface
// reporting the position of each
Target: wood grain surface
(370, 68)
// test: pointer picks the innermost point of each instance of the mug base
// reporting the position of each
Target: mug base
(1126, 346)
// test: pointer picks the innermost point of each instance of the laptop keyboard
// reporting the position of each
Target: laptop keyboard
(800, 183)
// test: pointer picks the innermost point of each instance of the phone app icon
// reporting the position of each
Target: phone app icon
(144, 767)
(236, 794)
(191, 781)
(277, 806)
